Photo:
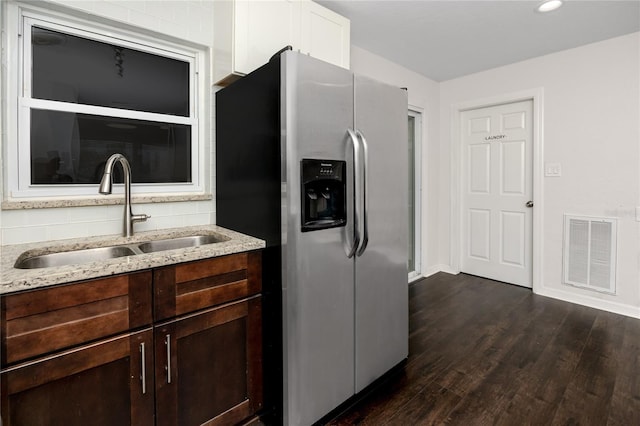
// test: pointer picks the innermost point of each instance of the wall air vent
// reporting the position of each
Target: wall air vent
(589, 259)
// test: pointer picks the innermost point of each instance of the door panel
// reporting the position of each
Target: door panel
(497, 165)
(512, 173)
(479, 234)
(514, 121)
(381, 300)
(480, 166)
(513, 238)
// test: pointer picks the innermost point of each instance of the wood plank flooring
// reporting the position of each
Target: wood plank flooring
(488, 353)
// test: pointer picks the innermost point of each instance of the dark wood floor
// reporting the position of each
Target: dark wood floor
(488, 353)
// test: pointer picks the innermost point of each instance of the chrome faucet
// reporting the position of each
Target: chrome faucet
(105, 188)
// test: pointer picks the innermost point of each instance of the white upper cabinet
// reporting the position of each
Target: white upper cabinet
(248, 32)
(325, 34)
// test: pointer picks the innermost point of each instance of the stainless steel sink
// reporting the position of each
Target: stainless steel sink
(179, 243)
(73, 257)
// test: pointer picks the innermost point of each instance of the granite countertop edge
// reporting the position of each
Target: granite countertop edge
(14, 280)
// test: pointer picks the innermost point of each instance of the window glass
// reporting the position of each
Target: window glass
(79, 70)
(72, 148)
(85, 91)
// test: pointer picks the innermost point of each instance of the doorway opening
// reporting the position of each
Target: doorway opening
(415, 194)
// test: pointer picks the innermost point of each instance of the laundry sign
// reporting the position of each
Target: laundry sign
(494, 137)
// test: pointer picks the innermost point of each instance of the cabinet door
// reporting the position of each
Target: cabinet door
(262, 28)
(209, 366)
(99, 385)
(248, 33)
(325, 34)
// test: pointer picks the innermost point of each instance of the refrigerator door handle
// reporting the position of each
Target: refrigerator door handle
(365, 179)
(355, 143)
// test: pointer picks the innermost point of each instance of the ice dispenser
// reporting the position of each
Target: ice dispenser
(323, 194)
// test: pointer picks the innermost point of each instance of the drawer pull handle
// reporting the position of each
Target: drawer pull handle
(143, 375)
(167, 342)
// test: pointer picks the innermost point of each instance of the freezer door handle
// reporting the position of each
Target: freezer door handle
(363, 192)
(355, 143)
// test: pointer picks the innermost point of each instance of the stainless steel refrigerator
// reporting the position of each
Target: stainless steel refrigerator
(313, 159)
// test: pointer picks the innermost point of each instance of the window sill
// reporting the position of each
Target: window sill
(114, 199)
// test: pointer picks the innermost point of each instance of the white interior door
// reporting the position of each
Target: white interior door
(497, 185)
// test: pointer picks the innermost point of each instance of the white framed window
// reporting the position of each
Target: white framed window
(415, 194)
(83, 91)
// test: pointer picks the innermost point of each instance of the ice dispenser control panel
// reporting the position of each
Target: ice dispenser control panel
(323, 197)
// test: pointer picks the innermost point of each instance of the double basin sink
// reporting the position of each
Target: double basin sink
(97, 254)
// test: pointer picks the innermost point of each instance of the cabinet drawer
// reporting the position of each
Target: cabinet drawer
(42, 321)
(189, 287)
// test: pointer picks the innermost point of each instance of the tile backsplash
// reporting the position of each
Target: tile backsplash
(33, 225)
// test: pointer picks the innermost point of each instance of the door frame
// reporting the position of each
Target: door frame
(418, 112)
(536, 96)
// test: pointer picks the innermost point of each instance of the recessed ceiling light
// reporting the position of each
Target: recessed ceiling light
(549, 5)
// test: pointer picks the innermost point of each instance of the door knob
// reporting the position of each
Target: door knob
(529, 204)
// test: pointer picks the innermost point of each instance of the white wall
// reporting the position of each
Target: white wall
(591, 118)
(186, 20)
(423, 96)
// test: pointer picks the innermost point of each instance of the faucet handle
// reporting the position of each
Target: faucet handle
(140, 218)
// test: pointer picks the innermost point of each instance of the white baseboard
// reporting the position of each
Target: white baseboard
(591, 302)
(439, 268)
(566, 296)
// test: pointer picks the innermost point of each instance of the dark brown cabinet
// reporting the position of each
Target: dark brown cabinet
(38, 322)
(207, 366)
(91, 353)
(188, 287)
(99, 384)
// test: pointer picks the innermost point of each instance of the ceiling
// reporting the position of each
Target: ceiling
(443, 40)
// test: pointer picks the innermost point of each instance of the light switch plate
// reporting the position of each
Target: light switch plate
(553, 169)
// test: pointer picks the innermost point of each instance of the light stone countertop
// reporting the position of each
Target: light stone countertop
(12, 279)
